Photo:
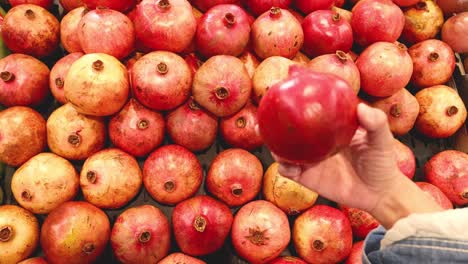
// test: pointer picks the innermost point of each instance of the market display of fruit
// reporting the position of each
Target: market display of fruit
(143, 131)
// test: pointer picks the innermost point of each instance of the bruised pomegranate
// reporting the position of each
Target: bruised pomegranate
(24, 80)
(73, 135)
(367, 21)
(141, 235)
(362, 223)
(235, 177)
(62, 224)
(259, 7)
(201, 225)
(181, 258)
(436, 194)
(301, 58)
(442, 111)
(423, 21)
(291, 114)
(37, 260)
(405, 158)
(44, 182)
(455, 32)
(222, 85)
(69, 5)
(385, 68)
(402, 109)
(120, 5)
(69, 30)
(260, 232)
(193, 62)
(19, 233)
(287, 260)
(22, 135)
(58, 74)
(322, 234)
(356, 253)
(250, 62)
(288, 195)
(42, 3)
(204, 5)
(172, 174)
(448, 170)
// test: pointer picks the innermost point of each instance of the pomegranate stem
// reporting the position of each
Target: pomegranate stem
(342, 55)
(200, 223)
(275, 11)
(229, 19)
(98, 65)
(162, 68)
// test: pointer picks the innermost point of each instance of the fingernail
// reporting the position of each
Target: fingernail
(289, 170)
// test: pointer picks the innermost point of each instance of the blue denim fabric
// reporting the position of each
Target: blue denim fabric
(414, 250)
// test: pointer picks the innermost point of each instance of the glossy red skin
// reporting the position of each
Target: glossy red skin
(30, 85)
(327, 225)
(69, 5)
(260, 217)
(240, 134)
(125, 131)
(356, 253)
(367, 21)
(175, 258)
(129, 226)
(69, 30)
(198, 242)
(406, 160)
(37, 35)
(193, 62)
(58, 73)
(405, 2)
(258, 7)
(324, 33)
(60, 224)
(436, 194)
(205, 5)
(448, 170)
(38, 260)
(42, 3)
(287, 260)
(120, 5)
(362, 223)
(154, 31)
(231, 170)
(307, 6)
(311, 139)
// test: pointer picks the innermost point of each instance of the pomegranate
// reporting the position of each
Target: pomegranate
(19, 233)
(73, 135)
(404, 3)
(44, 182)
(30, 29)
(141, 235)
(405, 159)
(362, 223)
(165, 24)
(402, 109)
(356, 253)
(423, 21)
(38, 260)
(307, 6)
(311, 140)
(86, 245)
(192, 127)
(442, 111)
(367, 21)
(193, 63)
(222, 85)
(259, 7)
(97, 84)
(344, 14)
(339, 64)
(322, 234)
(69, 30)
(22, 135)
(385, 68)
(250, 62)
(24, 80)
(181, 258)
(436, 194)
(270, 72)
(172, 174)
(58, 74)
(69, 5)
(201, 225)
(42, 3)
(448, 171)
(235, 177)
(204, 5)
(287, 260)
(451, 7)
(433, 63)
(260, 232)
(301, 58)
(288, 195)
(455, 32)
(192, 48)
(326, 32)
(277, 33)
(121, 5)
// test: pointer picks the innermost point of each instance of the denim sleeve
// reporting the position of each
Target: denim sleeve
(414, 250)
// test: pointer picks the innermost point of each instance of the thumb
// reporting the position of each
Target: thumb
(375, 122)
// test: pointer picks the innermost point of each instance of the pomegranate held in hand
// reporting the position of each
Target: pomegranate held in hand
(423, 21)
(119, 5)
(175, 258)
(287, 260)
(405, 158)
(356, 253)
(58, 74)
(259, 7)
(38, 260)
(42, 3)
(69, 5)
(362, 223)
(436, 194)
(69, 30)
(455, 32)
(204, 5)
(250, 62)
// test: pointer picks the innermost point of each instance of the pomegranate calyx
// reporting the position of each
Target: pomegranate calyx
(193, 105)
(29, 14)
(169, 186)
(162, 68)
(318, 245)
(59, 82)
(221, 93)
(421, 5)
(342, 56)
(144, 237)
(229, 19)
(336, 17)
(236, 190)
(88, 248)
(143, 124)
(98, 65)
(401, 47)
(164, 4)
(257, 237)
(452, 110)
(74, 139)
(6, 232)
(7, 76)
(464, 195)
(26, 195)
(434, 56)
(241, 122)
(200, 223)
(91, 177)
(395, 110)
(275, 11)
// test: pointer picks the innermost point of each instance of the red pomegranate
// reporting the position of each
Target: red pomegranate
(201, 225)
(423, 21)
(307, 6)
(31, 29)
(69, 5)
(175, 258)
(356, 253)
(24, 80)
(250, 62)
(287, 260)
(86, 245)
(345, 14)
(37, 260)
(433, 63)
(42, 3)
(161, 80)
(172, 174)
(301, 58)
(455, 32)
(141, 235)
(436, 194)
(288, 105)
(235, 177)
(339, 64)
(326, 32)
(107, 31)
(385, 68)
(204, 5)
(194, 62)
(259, 7)
(404, 3)
(121, 5)
(22, 135)
(277, 33)
(58, 74)
(260, 232)
(222, 85)
(451, 7)
(405, 158)
(362, 223)
(402, 109)
(69, 30)
(367, 21)
(442, 111)
(192, 126)
(165, 24)
(322, 234)
(448, 171)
